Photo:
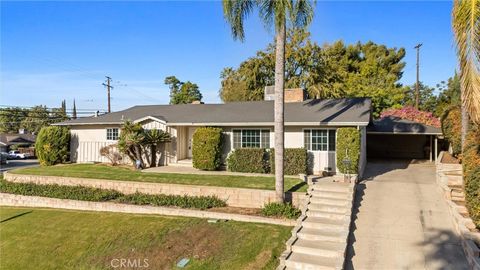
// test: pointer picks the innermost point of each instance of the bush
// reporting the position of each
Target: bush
(471, 169)
(452, 128)
(52, 145)
(111, 153)
(412, 114)
(251, 160)
(295, 161)
(207, 148)
(80, 193)
(198, 202)
(472, 195)
(348, 140)
(285, 210)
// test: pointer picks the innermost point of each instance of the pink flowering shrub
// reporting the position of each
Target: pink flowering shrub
(412, 114)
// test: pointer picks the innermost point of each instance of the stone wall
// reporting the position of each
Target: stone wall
(449, 178)
(237, 197)
(33, 201)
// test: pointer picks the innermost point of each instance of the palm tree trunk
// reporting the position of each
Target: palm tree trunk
(153, 150)
(279, 109)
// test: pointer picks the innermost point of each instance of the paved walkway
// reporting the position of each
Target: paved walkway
(402, 221)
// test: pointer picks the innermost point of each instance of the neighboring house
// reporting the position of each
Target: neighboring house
(9, 139)
(308, 123)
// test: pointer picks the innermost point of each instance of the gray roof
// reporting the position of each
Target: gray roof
(15, 138)
(396, 125)
(346, 111)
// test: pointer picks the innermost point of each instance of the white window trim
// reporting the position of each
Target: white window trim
(328, 147)
(106, 134)
(254, 128)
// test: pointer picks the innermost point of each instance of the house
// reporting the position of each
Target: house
(308, 123)
(21, 139)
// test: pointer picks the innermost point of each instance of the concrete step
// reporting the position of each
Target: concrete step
(326, 214)
(331, 194)
(331, 201)
(457, 193)
(301, 261)
(340, 187)
(321, 235)
(328, 208)
(319, 248)
(324, 224)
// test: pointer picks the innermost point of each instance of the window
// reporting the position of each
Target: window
(251, 138)
(112, 134)
(319, 139)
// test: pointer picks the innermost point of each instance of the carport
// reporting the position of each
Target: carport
(393, 137)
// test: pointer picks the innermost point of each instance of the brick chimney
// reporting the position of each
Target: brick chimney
(291, 94)
(197, 102)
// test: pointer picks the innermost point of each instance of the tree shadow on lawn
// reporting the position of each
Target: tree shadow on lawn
(15, 216)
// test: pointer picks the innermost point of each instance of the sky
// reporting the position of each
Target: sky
(52, 51)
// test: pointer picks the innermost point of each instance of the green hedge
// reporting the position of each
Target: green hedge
(452, 128)
(198, 202)
(82, 193)
(348, 140)
(471, 169)
(285, 210)
(52, 145)
(207, 148)
(295, 161)
(252, 160)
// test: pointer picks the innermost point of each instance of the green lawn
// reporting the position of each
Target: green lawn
(125, 174)
(34, 238)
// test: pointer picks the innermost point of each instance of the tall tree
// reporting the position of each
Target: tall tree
(11, 119)
(299, 14)
(449, 95)
(427, 99)
(74, 110)
(466, 27)
(37, 117)
(182, 92)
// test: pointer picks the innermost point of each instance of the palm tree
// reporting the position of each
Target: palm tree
(298, 13)
(129, 143)
(466, 27)
(154, 138)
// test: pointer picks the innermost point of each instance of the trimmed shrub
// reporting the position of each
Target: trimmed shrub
(471, 169)
(452, 128)
(198, 202)
(80, 193)
(286, 210)
(472, 195)
(207, 148)
(251, 160)
(295, 161)
(52, 145)
(348, 147)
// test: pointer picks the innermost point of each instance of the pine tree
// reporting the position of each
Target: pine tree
(74, 110)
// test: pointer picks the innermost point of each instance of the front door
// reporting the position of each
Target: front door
(191, 130)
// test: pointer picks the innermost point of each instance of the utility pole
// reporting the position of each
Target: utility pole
(417, 85)
(108, 91)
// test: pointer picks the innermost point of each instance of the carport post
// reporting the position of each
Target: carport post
(431, 150)
(436, 148)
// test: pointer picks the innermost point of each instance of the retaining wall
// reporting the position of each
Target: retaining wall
(464, 226)
(237, 197)
(34, 201)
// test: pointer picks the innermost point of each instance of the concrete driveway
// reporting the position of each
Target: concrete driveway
(402, 221)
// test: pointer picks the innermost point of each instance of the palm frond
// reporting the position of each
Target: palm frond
(235, 13)
(466, 27)
(302, 13)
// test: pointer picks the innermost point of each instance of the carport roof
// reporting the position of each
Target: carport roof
(396, 125)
